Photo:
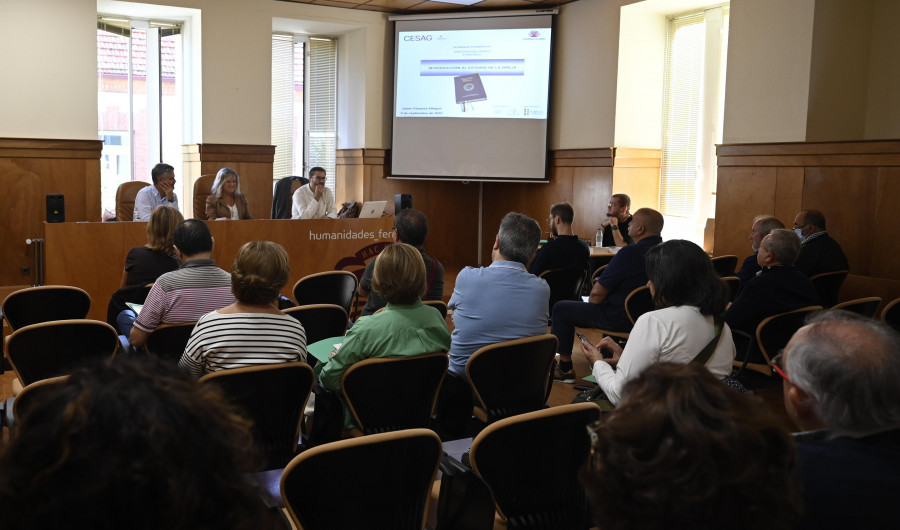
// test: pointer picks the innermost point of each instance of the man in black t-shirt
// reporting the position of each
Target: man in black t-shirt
(565, 250)
(615, 226)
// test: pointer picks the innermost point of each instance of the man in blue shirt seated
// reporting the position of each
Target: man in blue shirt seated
(565, 250)
(840, 387)
(161, 193)
(606, 306)
(490, 305)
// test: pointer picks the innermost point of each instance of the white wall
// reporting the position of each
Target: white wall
(641, 77)
(48, 69)
(769, 55)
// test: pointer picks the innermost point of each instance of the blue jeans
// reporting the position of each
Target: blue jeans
(568, 315)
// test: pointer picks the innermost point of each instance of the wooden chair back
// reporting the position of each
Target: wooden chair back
(565, 284)
(392, 476)
(828, 285)
(511, 377)
(773, 334)
(34, 305)
(168, 341)
(202, 191)
(321, 321)
(273, 397)
(125, 195)
(51, 349)
(866, 307)
(391, 394)
(546, 493)
(891, 314)
(734, 286)
(725, 265)
(439, 305)
(329, 287)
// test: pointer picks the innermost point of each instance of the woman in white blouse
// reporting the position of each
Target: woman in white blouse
(690, 299)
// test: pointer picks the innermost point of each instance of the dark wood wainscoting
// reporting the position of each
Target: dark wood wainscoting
(855, 184)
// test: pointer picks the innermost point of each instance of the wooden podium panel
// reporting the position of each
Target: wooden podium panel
(92, 255)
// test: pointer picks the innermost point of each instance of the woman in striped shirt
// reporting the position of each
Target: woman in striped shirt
(252, 330)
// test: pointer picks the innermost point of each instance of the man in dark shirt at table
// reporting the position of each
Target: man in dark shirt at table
(565, 250)
(615, 226)
(606, 306)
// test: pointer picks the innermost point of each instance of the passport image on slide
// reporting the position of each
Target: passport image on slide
(469, 88)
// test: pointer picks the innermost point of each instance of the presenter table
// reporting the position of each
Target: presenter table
(92, 255)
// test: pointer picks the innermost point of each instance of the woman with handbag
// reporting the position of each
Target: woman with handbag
(686, 326)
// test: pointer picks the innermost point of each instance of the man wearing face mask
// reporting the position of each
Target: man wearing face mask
(818, 251)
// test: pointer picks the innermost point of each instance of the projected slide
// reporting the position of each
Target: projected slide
(497, 73)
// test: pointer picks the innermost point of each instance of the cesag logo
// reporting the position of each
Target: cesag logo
(417, 38)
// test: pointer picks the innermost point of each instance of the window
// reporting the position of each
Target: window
(139, 66)
(304, 105)
(692, 112)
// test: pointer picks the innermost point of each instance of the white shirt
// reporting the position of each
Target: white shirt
(306, 207)
(674, 334)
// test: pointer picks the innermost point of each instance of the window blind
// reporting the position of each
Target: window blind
(322, 91)
(282, 104)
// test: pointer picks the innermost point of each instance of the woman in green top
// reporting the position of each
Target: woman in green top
(404, 328)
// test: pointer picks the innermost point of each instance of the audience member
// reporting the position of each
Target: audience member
(161, 193)
(410, 227)
(605, 307)
(129, 443)
(404, 328)
(778, 287)
(252, 330)
(840, 386)
(565, 250)
(682, 450)
(615, 225)
(145, 264)
(762, 225)
(490, 305)
(186, 294)
(690, 299)
(314, 200)
(226, 200)
(818, 251)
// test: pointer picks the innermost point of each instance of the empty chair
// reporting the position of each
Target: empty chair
(891, 314)
(828, 285)
(273, 397)
(379, 481)
(437, 304)
(125, 195)
(565, 284)
(202, 190)
(23, 402)
(861, 306)
(511, 377)
(168, 341)
(734, 285)
(773, 334)
(531, 463)
(725, 265)
(320, 321)
(385, 394)
(45, 303)
(330, 287)
(50, 349)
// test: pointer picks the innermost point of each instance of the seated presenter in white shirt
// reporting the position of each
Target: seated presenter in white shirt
(314, 201)
(161, 193)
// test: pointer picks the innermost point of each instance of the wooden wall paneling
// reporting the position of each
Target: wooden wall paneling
(741, 194)
(636, 174)
(92, 255)
(885, 260)
(591, 188)
(531, 199)
(254, 163)
(789, 194)
(349, 171)
(29, 170)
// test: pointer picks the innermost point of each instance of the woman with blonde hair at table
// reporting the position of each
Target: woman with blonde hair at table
(226, 200)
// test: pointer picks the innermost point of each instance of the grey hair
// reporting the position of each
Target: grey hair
(519, 237)
(767, 223)
(850, 366)
(783, 244)
(221, 176)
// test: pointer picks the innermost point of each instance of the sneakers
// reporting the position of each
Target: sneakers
(563, 377)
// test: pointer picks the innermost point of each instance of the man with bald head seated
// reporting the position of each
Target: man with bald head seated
(840, 387)
(762, 225)
(778, 287)
(606, 305)
(818, 251)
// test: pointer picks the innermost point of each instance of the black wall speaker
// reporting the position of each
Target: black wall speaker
(56, 208)
(401, 202)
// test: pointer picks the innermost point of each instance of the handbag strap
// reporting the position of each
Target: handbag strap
(703, 357)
